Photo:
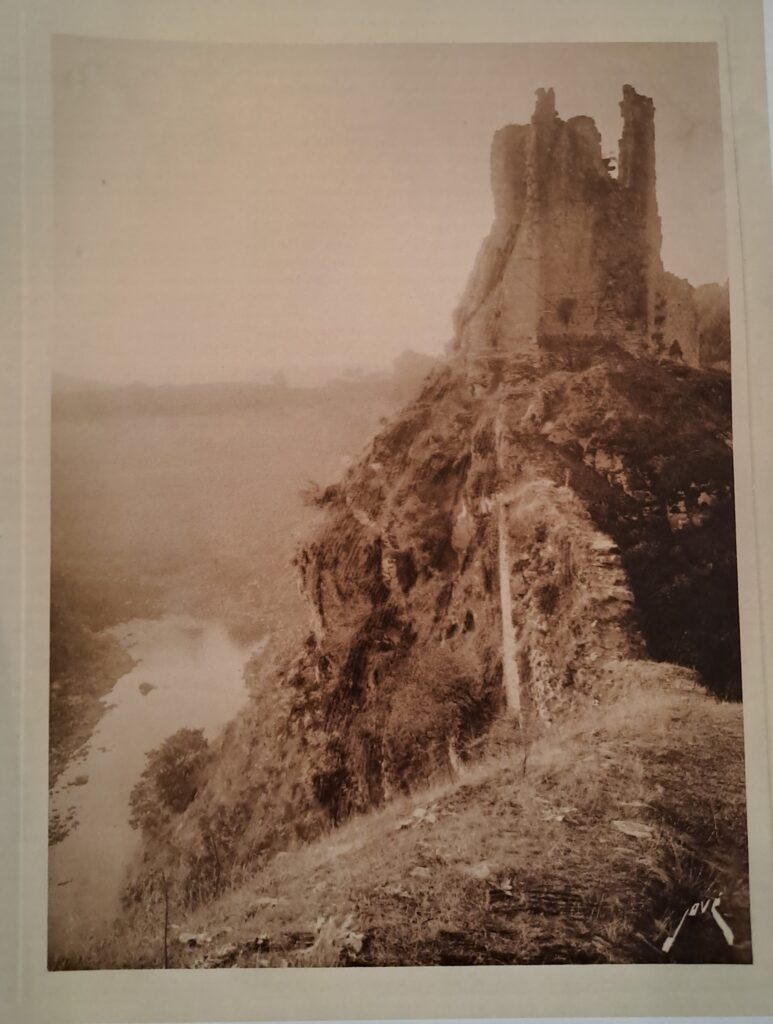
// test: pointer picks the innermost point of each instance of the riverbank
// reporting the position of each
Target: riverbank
(86, 657)
(184, 672)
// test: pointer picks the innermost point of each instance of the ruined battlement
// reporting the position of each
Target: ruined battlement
(574, 250)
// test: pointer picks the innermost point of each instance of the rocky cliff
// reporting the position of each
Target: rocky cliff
(504, 551)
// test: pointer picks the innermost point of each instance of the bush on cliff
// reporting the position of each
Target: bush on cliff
(170, 780)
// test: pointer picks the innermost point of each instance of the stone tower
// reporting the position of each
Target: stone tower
(574, 252)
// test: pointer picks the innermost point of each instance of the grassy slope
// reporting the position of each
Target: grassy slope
(514, 862)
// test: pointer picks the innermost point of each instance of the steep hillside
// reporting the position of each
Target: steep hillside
(499, 546)
(588, 850)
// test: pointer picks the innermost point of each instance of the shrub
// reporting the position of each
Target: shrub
(170, 780)
(441, 699)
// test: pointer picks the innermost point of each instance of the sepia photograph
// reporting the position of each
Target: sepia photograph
(394, 594)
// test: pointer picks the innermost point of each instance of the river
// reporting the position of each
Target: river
(188, 673)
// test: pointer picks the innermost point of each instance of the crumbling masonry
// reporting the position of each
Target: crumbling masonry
(574, 252)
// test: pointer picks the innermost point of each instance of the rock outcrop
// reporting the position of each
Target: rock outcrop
(575, 252)
(503, 550)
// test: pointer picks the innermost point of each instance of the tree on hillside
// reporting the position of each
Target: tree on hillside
(170, 779)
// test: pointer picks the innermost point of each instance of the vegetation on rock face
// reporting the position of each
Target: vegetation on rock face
(648, 448)
(606, 447)
(618, 506)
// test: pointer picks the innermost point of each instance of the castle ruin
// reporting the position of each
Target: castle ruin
(574, 252)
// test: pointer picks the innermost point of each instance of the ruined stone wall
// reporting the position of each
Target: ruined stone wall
(575, 182)
(712, 302)
(575, 252)
(675, 323)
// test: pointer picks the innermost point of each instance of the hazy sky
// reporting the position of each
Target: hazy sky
(224, 210)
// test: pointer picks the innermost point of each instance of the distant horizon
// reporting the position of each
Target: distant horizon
(296, 376)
